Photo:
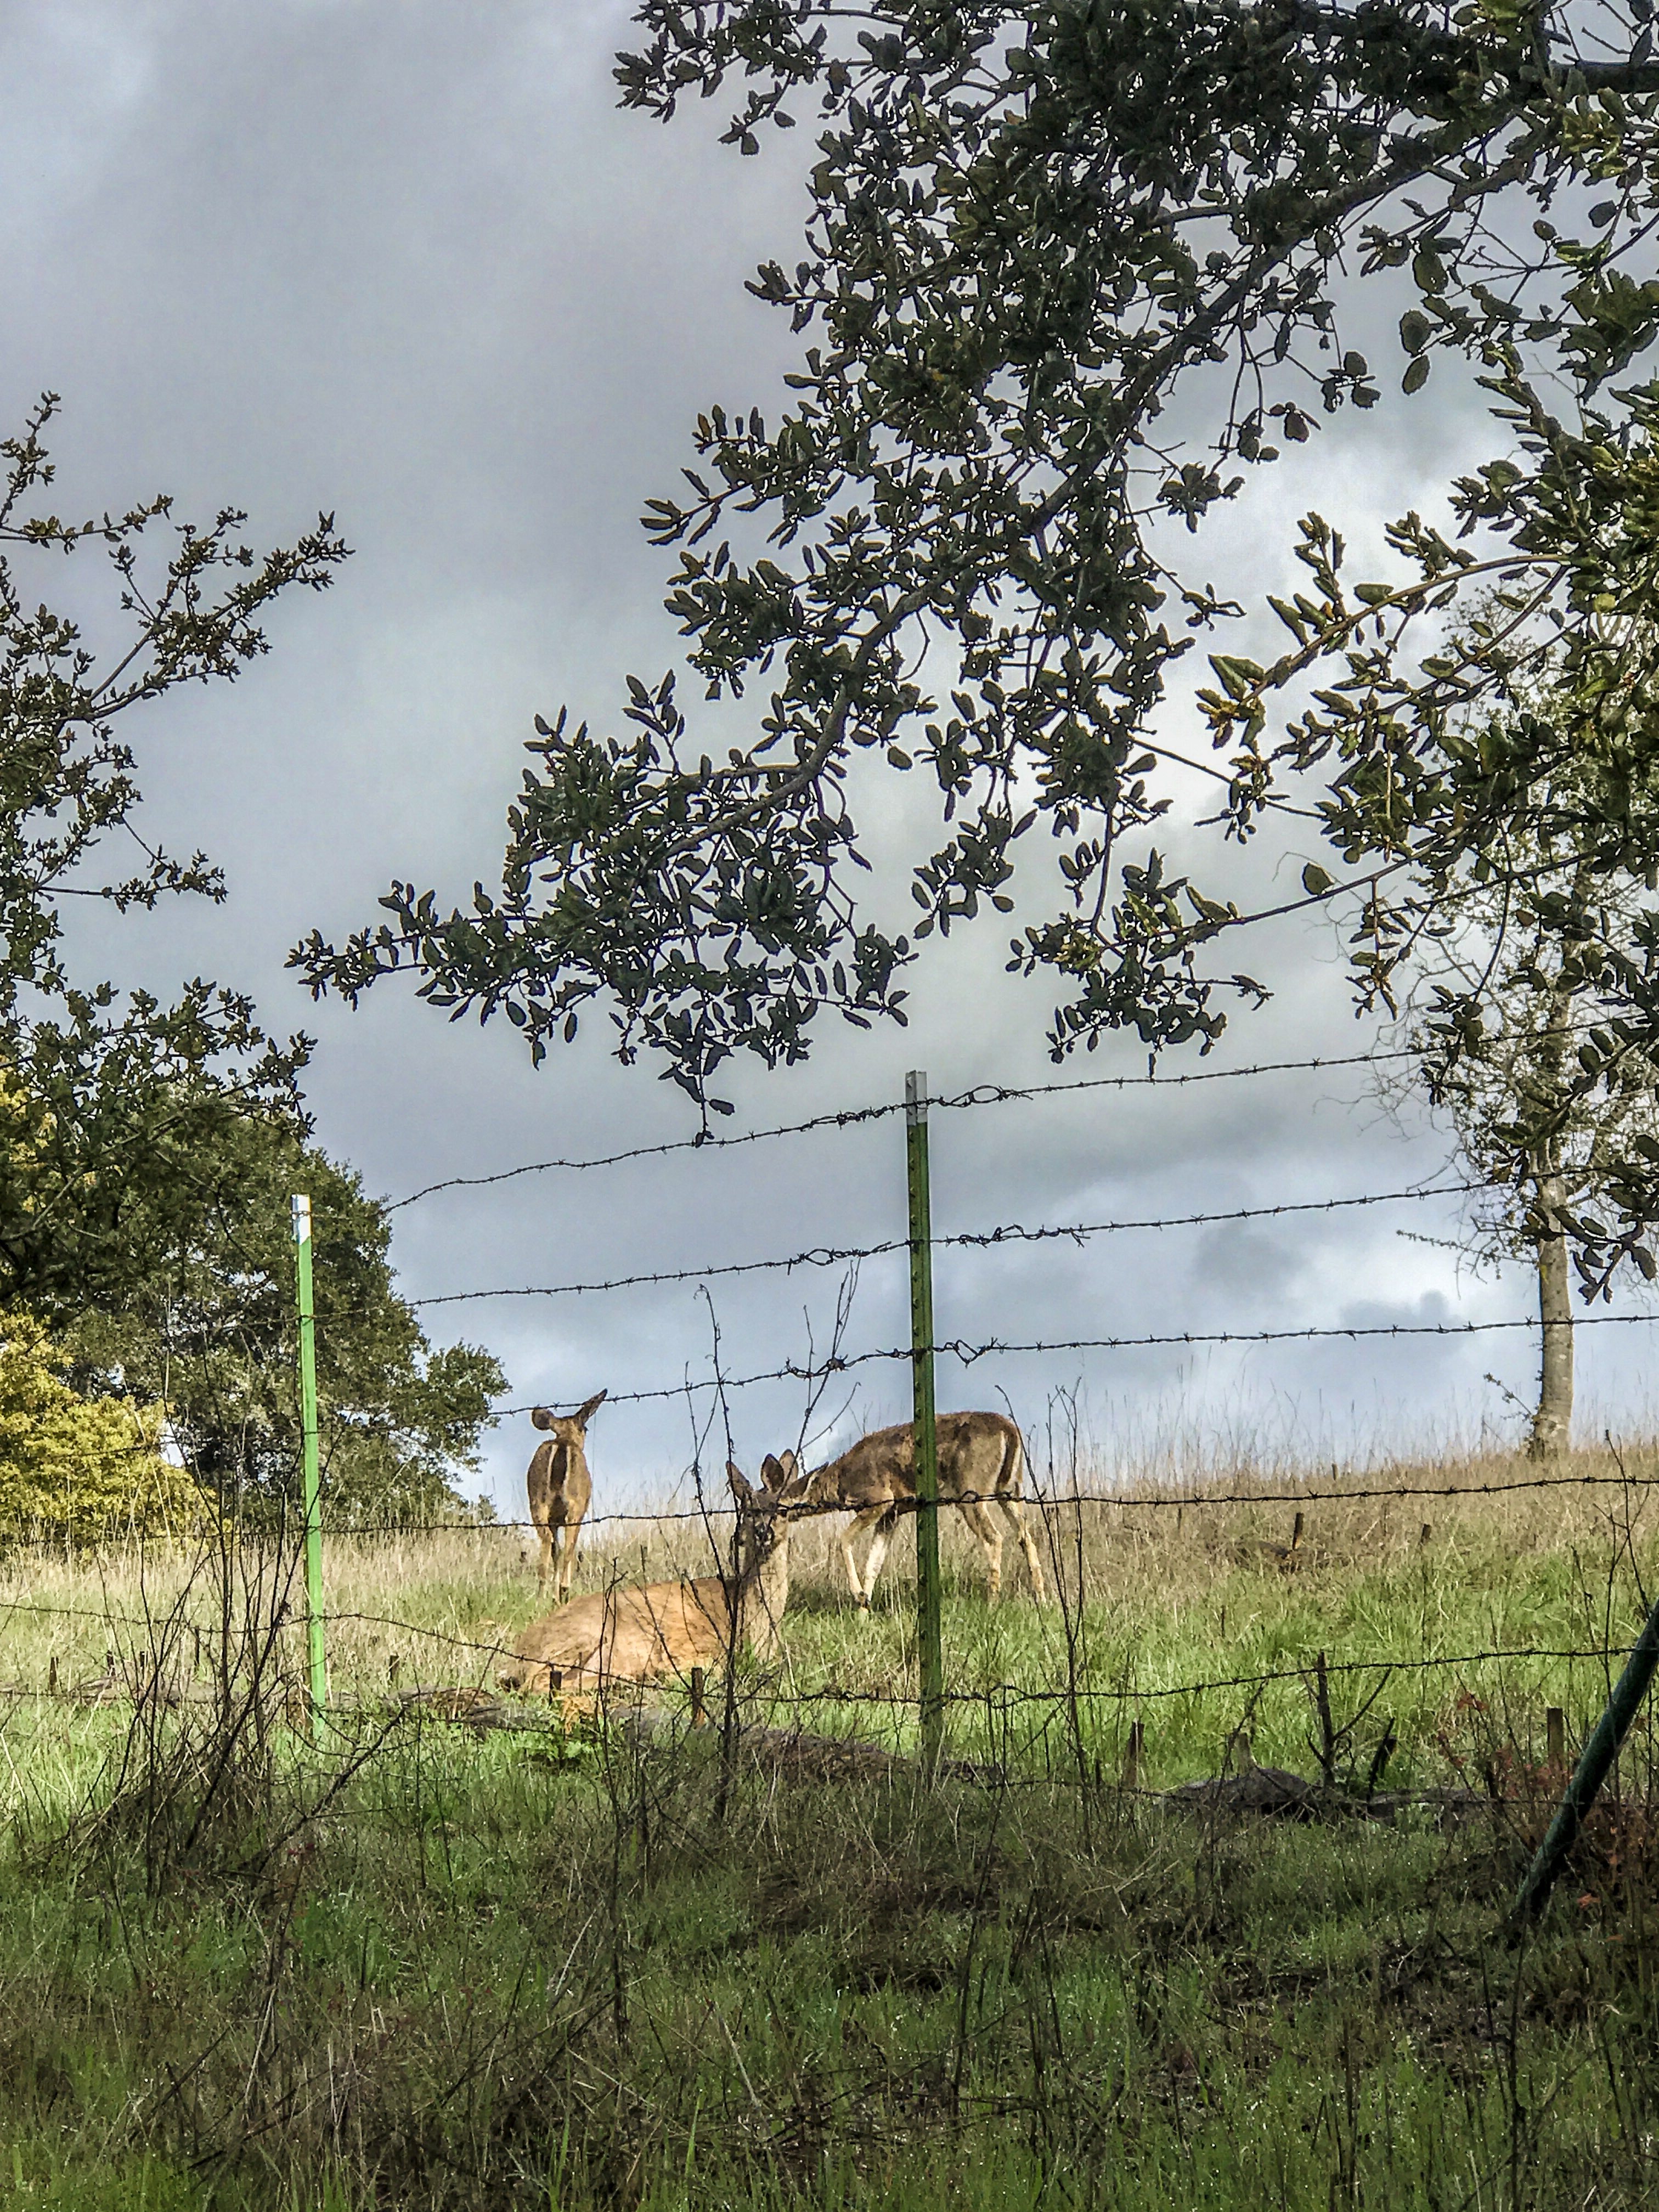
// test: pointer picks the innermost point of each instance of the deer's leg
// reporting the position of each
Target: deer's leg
(886, 1522)
(1016, 1515)
(979, 1520)
(569, 1533)
(545, 1530)
(856, 1526)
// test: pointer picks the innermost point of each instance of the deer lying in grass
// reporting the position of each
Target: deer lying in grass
(668, 1628)
(560, 1489)
(982, 1462)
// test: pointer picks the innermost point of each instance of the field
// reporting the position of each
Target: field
(584, 1962)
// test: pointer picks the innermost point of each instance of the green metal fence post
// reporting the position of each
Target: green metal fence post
(928, 1642)
(313, 1486)
(1590, 1772)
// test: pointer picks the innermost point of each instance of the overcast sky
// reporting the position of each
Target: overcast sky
(410, 264)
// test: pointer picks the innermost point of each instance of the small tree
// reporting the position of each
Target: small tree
(1547, 1145)
(1549, 1093)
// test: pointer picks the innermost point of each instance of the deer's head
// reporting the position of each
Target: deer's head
(569, 1430)
(762, 1526)
(798, 1489)
(763, 1544)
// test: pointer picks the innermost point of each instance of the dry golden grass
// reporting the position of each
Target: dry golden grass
(1139, 1544)
(1172, 1591)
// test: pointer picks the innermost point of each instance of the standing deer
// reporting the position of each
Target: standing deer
(560, 1488)
(668, 1628)
(981, 1462)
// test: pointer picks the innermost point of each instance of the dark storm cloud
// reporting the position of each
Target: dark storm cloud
(410, 265)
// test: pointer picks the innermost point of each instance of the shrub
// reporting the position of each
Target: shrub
(80, 1468)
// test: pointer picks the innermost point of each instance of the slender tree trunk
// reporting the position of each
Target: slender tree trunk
(1552, 1425)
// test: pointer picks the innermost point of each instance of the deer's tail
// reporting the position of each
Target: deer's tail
(1012, 1484)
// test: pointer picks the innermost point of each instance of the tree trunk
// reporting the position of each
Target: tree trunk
(1552, 1425)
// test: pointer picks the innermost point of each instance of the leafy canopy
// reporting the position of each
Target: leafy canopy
(1072, 273)
(1557, 1100)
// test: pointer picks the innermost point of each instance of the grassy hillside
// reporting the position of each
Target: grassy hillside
(587, 1967)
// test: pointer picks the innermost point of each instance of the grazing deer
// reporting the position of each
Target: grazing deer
(982, 1462)
(668, 1628)
(560, 1488)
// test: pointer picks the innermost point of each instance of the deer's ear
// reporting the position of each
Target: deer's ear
(774, 1472)
(740, 1489)
(584, 1414)
(790, 1465)
(544, 1417)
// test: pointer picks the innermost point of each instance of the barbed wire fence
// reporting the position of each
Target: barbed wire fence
(926, 1711)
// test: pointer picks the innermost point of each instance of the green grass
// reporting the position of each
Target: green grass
(483, 1977)
(419, 1968)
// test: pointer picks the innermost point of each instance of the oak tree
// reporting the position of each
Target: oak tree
(1073, 272)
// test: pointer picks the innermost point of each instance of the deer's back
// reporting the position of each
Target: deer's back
(979, 1454)
(558, 1482)
(631, 1634)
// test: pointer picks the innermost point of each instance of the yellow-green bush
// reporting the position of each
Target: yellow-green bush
(80, 1468)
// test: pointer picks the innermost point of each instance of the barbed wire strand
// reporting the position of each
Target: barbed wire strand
(835, 1694)
(11, 1604)
(1039, 1501)
(980, 1094)
(1013, 1232)
(1044, 1502)
(1123, 1694)
(960, 1349)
